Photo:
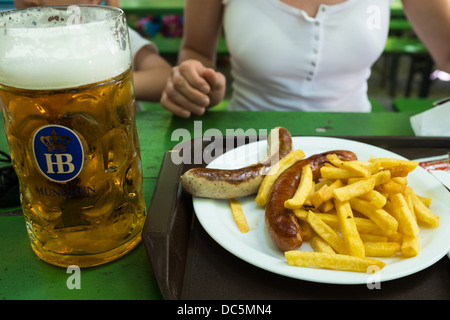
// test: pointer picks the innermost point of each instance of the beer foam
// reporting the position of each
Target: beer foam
(62, 47)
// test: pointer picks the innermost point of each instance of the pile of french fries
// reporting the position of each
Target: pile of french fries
(357, 211)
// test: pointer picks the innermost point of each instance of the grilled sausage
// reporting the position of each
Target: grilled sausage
(282, 224)
(226, 184)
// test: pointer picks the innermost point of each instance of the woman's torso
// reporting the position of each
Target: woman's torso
(284, 59)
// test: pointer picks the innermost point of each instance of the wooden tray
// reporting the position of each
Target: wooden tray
(189, 264)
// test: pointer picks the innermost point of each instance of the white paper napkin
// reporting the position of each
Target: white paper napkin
(438, 166)
(433, 122)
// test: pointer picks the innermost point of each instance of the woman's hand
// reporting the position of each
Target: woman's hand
(192, 88)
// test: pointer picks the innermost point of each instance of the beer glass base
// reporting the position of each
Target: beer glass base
(86, 260)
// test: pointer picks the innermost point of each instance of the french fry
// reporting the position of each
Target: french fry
(375, 198)
(382, 177)
(387, 223)
(359, 168)
(426, 200)
(329, 219)
(325, 193)
(391, 162)
(373, 167)
(399, 209)
(354, 190)
(326, 232)
(308, 198)
(348, 229)
(369, 237)
(238, 215)
(396, 237)
(368, 226)
(410, 246)
(301, 213)
(422, 212)
(327, 206)
(391, 187)
(399, 171)
(335, 160)
(307, 231)
(330, 172)
(274, 173)
(409, 201)
(400, 180)
(302, 192)
(362, 224)
(322, 183)
(331, 261)
(319, 245)
(381, 249)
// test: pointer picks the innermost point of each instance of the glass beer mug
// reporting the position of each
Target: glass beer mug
(68, 102)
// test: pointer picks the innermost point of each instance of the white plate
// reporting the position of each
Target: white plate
(257, 248)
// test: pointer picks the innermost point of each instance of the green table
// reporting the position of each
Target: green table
(24, 276)
(152, 6)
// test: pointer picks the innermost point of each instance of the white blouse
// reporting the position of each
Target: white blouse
(137, 42)
(283, 59)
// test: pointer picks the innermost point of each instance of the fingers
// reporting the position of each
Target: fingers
(188, 82)
(217, 84)
(181, 99)
(191, 88)
(179, 105)
(215, 80)
(183, 93)
(192, 72)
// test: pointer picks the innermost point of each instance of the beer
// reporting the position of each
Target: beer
(76, 152)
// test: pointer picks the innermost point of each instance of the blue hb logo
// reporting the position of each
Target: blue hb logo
(58, 153)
